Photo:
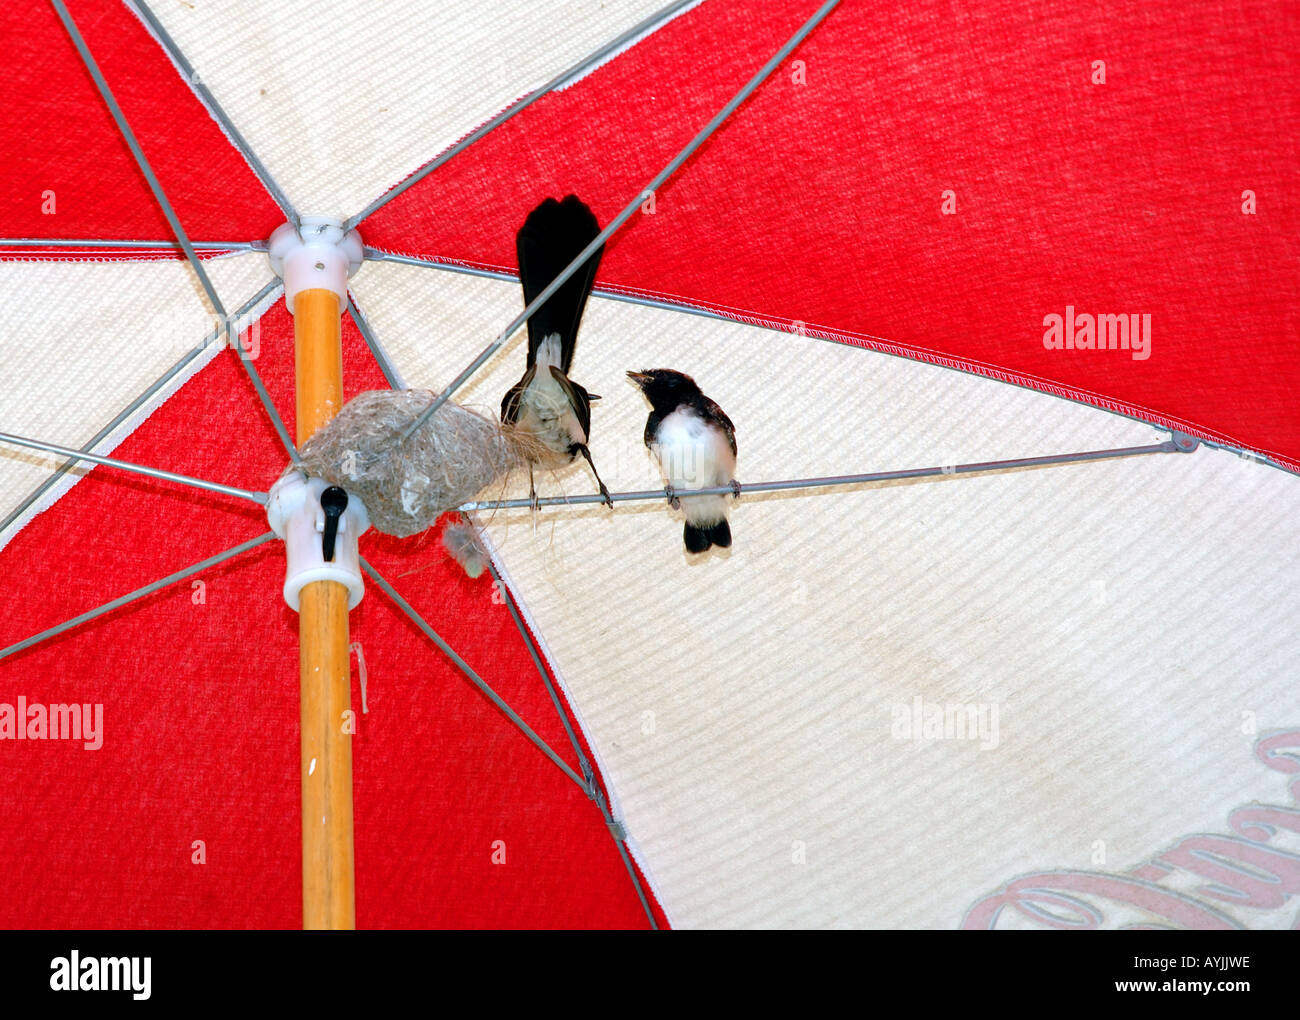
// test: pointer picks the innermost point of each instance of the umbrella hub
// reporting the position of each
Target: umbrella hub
(320, 524)
(318, 254)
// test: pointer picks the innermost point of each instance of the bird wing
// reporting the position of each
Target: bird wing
(651, 428)
(720, 416)
(578, 400)
(510, 402)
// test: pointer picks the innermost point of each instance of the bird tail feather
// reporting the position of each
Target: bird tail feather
(553, 235)
(699, 538)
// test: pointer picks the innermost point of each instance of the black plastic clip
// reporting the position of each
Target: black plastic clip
(333, 501)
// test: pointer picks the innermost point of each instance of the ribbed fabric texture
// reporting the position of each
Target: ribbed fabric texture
(341, 100)
(83, 340)
(938, 183)
(460, 822)
(921, 182)
(1128, 620)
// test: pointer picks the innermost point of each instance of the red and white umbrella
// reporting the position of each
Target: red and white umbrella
(1019, 284)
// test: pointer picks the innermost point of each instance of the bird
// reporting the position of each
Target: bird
(545, 403)
(695, 444)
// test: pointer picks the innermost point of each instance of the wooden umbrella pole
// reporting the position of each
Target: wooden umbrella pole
(328, 887)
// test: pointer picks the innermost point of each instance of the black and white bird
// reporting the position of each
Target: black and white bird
(695, 444)
(546, 404)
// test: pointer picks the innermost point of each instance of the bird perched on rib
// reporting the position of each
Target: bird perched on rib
(695, 444)
(546, 404)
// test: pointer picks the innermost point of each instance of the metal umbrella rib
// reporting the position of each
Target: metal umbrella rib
(586, 62)
(1049, 460)
(172, 219)
(139, 469)
(472, 676)
(139, 593)
(210, 101)
(130, 409)
(718, 120)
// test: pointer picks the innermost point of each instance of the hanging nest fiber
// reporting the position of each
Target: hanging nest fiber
(407, 485)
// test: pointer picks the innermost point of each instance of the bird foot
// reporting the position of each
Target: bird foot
(607, 498)
(735, 489)
(673, 501)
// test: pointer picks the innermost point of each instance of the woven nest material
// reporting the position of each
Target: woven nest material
(407, 485)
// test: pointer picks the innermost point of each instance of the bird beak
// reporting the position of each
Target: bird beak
(640, 378)
(593, 397)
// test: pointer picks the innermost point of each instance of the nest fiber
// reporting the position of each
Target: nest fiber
(407, 484)
(463, 541)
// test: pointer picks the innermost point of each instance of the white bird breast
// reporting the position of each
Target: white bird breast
(544, 407)
(692, 455)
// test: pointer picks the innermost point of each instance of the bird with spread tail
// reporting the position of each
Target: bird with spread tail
(545, 403)
(695, 444)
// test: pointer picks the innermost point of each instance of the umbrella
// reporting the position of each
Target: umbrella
(1020, 657)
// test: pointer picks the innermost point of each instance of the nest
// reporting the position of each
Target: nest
(407, 485)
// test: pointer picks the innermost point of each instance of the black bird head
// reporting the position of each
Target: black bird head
(666, 388)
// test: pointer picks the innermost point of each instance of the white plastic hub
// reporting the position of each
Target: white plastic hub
(318, 254)
(295, 514)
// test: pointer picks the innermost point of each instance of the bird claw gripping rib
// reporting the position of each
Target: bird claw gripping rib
(671, 495)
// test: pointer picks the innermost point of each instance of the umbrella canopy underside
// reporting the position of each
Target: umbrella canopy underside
(1058, 696)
